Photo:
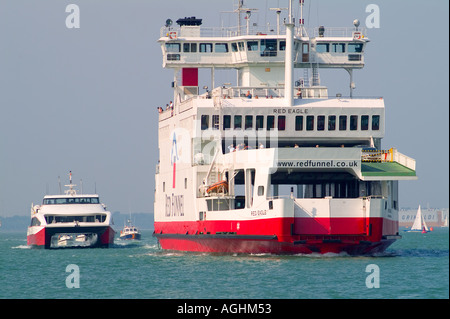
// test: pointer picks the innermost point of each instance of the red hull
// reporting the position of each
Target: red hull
(355, 236)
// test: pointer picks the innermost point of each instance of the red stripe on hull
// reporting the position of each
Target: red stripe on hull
(37, 239)
(107, 238)
(286, 235)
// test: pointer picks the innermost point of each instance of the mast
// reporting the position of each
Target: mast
(289, 61)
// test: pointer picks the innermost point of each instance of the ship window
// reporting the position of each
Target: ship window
(185, 183)
(375, 123)
(234, 47)
(173, 47)
(205, 122)
(299, 123)
(164, 186)
(364, 122)
(321, 123)
(322, 47)
(270, 122)
(35, 222)
(268, 47)
(173, 57)
(189, 47)
(205, 47)
(221, 47)
(241, 46)
(353, 122)
(342, 122)
(249, 122)
(281, 123)
(226, 122)
(282, 45)
(355, 47)
(331, 122)
(215, 122)
(259, 122)
(75, 200)
(260, 190)
(237, 122)
(310, 123)
(305, 48)
(252, 45)
(338, 47)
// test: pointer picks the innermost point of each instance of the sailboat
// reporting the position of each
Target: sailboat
(419, 223)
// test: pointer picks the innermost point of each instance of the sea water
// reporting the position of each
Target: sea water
(416, 266)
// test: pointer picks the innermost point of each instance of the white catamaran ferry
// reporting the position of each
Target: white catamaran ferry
(272, 164)
(70, 220)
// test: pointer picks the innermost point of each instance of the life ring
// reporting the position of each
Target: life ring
(221, 186)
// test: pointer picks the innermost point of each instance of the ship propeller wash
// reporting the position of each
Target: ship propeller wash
(272, 164)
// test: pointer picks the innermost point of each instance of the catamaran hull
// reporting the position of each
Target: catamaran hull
(278, 236)
(41, 236)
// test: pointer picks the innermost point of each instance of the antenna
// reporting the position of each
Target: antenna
(278, 11)
(59, 183)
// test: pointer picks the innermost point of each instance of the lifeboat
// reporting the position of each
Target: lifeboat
(219, 187)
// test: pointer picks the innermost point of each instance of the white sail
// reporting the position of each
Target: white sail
(418, 221)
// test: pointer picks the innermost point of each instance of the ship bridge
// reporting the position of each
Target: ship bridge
(258, 55)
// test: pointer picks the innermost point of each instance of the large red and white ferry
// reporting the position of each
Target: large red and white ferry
(272, 164)
(70, 220)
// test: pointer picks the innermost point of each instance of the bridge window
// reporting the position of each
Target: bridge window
(299, 123)
(310, 123)
(268, 47)
(252, 45)
(190, 47)
(241, 46)
(353, 122)
(173, 47)
(355, 47)
(364, 122)
(375, 123)
(338, 47)
(331, 122)
(234, 47)
(282, 45)
(221, 47)
(342, 122)
(322, 47)
(205, 47)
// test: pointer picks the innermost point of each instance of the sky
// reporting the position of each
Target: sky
(84, 99)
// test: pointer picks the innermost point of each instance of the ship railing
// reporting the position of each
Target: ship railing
(270, 30)
(391, 155)
(404, 160)
(336, 32)
(269, 92)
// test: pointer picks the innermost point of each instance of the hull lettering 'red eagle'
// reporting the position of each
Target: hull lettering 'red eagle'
(272, 164)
